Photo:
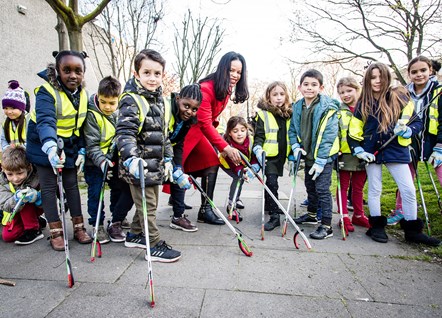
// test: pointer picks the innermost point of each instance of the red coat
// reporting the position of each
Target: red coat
(198, 152)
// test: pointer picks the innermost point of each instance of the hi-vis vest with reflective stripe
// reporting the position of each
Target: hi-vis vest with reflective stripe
(322, 125)
(143, 107)
(69, 120)
(271, 133)
(357, 126)
(107, 131)
(344, 120)
(225, 164)
(434, 113)
(13, 132)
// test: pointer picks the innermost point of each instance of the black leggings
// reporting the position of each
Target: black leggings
(49, 189)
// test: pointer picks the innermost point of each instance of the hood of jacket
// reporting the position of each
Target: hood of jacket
(285, 112)
(432, 82)
(134, 86)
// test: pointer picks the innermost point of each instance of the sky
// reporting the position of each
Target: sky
(259, 30)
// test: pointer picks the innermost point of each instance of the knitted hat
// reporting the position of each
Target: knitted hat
(14, 96)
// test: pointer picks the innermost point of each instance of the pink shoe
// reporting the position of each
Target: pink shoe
(347, 224)
(360, 221)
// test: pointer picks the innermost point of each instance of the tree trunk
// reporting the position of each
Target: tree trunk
(75, 40)
(63, 43)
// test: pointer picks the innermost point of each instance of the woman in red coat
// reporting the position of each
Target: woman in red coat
(202, 141)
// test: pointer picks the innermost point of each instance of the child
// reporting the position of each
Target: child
(427, 145)
(383, 112)
(61, 106)
(99, 132)
(182, 116)
(272, 125)
(351, 171)
(13, 130)
(19, 181)
(314, 133)
(237, 136)
(141, 138)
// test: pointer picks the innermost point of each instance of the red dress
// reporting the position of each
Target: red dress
(199, 152)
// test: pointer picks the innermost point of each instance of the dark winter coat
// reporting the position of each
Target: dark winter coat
(150, 143)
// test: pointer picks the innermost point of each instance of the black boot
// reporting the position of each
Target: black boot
(377, 230)
(413, 233)
(206, 214)
(272, 223)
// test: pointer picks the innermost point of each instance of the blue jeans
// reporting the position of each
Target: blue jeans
(318, 192)
(94, 178)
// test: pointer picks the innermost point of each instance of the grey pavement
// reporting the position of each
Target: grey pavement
(353, 278)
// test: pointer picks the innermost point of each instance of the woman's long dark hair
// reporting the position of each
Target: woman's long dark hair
(221, 78)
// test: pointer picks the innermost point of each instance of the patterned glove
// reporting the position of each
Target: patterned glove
(181, 179)
(110, 164)
(28, 194)
(79, 163)
(401, 129)
(257, 150)
(50, 148)
(363, 155)
(133, 165)
(316, 170)
(168, 169)
(296, 148)
(436, 157)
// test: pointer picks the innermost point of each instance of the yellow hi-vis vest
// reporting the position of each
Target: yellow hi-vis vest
(434, 113)
(13, 132)
(143, 107)
(271, 133)
(69, 120)
(344, 120)
(356, 126)
(107, 130)
(322, 125)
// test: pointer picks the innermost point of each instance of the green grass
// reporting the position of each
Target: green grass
(388, 200)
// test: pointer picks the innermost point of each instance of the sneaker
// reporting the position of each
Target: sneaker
(182, 224)
(239, 204)
(361, 220)
(347, 225)
(322, 232)
(306, 219)
(102, 236)
(304, 203)
(42, 222)
(29, 237)
(349, 206)
(319, 215)
(135, 240)
(163, 253)
(115, 232)
(125, 224)
(395, 217)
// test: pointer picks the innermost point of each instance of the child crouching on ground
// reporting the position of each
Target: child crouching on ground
(237, 136)
(19, 183)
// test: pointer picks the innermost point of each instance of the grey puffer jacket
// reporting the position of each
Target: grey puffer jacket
(92, 133)
(151, 143)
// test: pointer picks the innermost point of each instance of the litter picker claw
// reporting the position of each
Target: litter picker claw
(71, 281)
(242, 244)
(298, 230)
(233, 212)
(146, 231)
(341, 214)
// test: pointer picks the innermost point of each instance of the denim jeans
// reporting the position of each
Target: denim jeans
(94, 177)
(318, 192)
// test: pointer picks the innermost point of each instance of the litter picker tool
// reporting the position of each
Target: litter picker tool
(263, 194)
(71, 281)
(233, 212)
(96, 245)
(292, 191)
(8, 218)
(439, 202)
(341, 214)
(298, 230)
(146, 230)
(242, 244)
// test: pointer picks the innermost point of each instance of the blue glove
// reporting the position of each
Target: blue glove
(133, 165)
(181, 179)
(296, 148)
(50, 148)
(38, 202)
(401, 129)
(257, 150)
(436, 157)
(81, 159)
(168, 169)
(363, 155)
(29, 195)
(316, 170)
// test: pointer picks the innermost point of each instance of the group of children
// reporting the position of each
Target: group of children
(149, 131)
